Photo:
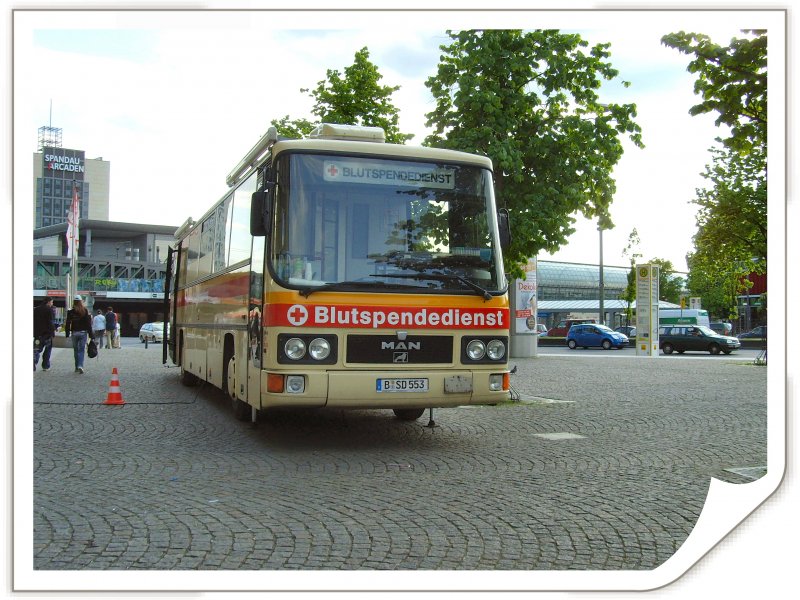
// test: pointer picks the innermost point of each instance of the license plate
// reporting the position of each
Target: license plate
(407, 384)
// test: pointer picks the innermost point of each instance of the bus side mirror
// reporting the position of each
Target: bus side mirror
(504, 226)
(259, 213)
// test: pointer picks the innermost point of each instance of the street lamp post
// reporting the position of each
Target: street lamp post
(602, 286)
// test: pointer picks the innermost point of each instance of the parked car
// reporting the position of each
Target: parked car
(757, 333)
(628, 330)
(722, 328)
(563, 327)
(540, 329)
(595, 335)
(151, 332)
(680, 338)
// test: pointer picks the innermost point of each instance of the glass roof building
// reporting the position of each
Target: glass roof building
(573, 281)
(566, 290)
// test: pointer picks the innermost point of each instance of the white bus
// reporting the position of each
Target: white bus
(343, 271)
(683, 316)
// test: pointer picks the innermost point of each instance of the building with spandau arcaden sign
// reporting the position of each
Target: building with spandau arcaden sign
(56, 170)
(119, 264)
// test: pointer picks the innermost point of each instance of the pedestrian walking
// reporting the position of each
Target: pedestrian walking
(99, 328)
(79, 324)
(44, 330)
(111, 327)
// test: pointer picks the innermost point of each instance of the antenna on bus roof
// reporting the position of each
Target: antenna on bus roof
(251, 158)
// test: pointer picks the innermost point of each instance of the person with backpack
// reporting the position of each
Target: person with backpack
(111, 327)
(79, 324)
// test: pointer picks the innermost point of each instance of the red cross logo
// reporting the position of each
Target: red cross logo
(297, 315)
(333, 171)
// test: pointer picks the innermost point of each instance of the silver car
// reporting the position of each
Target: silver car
(151, 332)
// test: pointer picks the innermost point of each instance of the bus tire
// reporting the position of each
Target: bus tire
(241, 409)
(408, 414)
(230, 378)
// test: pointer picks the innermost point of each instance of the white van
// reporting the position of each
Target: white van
(683, 316)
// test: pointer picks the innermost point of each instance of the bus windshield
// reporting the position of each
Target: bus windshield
(364, 223)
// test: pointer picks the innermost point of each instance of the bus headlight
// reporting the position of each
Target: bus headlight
(496, 349)
(295, 348)
(476, 350)
(484, 350)
(319, 349)
(307, 349)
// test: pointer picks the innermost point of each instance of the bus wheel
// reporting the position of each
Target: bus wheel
(241, 409)
(408, 414)
(230, 378)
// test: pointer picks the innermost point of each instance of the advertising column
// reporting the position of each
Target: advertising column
(647, 310)
(524, 340)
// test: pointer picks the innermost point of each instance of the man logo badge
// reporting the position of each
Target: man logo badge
(400, 357)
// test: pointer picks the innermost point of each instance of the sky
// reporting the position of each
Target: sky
(174, 99)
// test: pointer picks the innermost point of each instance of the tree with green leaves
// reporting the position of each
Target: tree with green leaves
(353, 98)
(732, 81)
(731, 238)
(632, 253)
(669, 286)
(530, 102)
(293, 128)
(732, 218)
(717, 288)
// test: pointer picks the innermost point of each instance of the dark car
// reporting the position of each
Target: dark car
(595, 335)
(721, 328)
(680, 338)
(562, 328)
(628, 330)
(759, 333)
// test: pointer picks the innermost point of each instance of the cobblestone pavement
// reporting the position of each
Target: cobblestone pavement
(604, 464)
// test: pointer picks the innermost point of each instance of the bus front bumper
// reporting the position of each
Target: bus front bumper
(392, 389)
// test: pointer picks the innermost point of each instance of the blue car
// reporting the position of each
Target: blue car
(594, 335)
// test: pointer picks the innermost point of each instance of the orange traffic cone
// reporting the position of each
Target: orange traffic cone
(114, 394)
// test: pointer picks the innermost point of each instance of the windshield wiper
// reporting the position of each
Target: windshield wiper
(350, 285)
(443, 277)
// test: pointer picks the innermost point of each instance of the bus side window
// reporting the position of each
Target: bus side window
(240, 238)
